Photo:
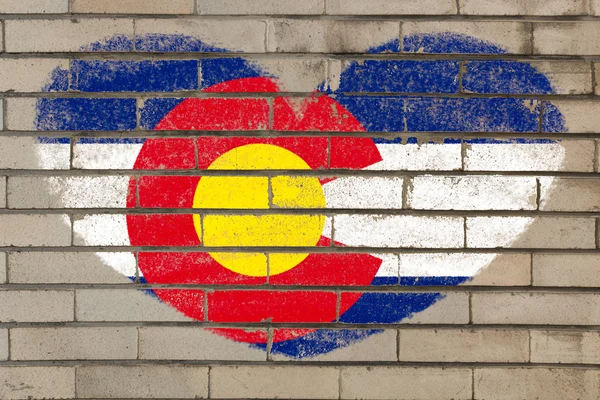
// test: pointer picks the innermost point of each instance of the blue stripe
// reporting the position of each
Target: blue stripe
(510, 77)
(53, 140)
(220, 70)
(376, 113)
(58, 82)
(86, 114)
(400, 76)
(414, 140)
(384, 308)
(552, 119)
(134, 76)
(432, 280)
(448, 43)
(110, 140)
(384, 281)
(392, 46)
(115, 43)
(154, 110)
(156, 42)
(428, 114)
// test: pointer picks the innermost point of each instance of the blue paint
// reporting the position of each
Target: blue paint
(392, 46)
(400, 76)
(448, 43)
(552, 119)
(384, 281)
(504, 77)
(110, 140)
(433, 280)
(509, 141)
(53, 140)
(115, 43)
(73, 114)
(154, 110)
(59, 81)
(320, 341)
(414, 140)
(428, 114)
(134, 76)
(217, 70)
(388, 308)
(364, 108)
(156, 42)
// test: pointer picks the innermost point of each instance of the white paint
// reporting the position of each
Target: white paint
(418, 157)
(364, 192)
(89, 192)
(105, 155)
(488, 232)
(472, 193)
(124, 263)
(444, 264)
(53, 155)
(515, 157)
(389, 265)
(398, 231)
(101, 230)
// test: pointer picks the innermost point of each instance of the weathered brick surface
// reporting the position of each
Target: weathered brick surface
(34, 7)
(2, 191)
(73, 343)
(4, 344)
(565, 347)
(566, 38)
(405, 383)
(462, 345)
(35, 230)
(258, 7)
(382, 7)
(578, 270)
(133, 7)
(142, 382)
(19, 152)
(28, 75)
(517, 7)
(569, 194)
(261, 382)
(527, 383)
(21, 383)
(36, 305)
(3, 268)
(580, 116)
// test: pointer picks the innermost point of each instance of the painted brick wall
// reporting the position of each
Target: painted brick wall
(456, 144)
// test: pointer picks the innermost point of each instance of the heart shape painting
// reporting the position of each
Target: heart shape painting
(250, 203)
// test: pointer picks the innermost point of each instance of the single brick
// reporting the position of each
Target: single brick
(595, 7)
(36, 306)
(21, 114)
(536, 383)
(262, 382)
(485, 268)
(531, 232)
(398, 231)
(260, 7)
(514, 37)
(21, 152)
(418, 157)
(35, 230)
(464, 345)
(566, 270)
(4, 344)
(530, 7)
(580, 115)
(65, 35)
(566, 38)
(31, 74)
(142, 381)
(22, 383)
(472, 193)
(55, 267)
(295, 75)
(96, 154)
(34, 7)
(133, 7)
(381, 346)
(566, 155)
(3, 194)
(382, 7)
(68, 192)
(567, 77)
(453, 308)
(82, 343)
(364, 192)
(324, 36)
(572, 347)
(400, 383)
(3, 268)
(569, 194)
(536, 308)
(233, 35)
(193, 343)
(597, 71)
(126, 305)
(100, 230)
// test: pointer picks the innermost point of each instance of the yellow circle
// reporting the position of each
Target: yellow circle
(256, 192)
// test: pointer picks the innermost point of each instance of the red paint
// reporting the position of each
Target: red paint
(169, 154)
(167, 191)
(162, 230)
(189, 302)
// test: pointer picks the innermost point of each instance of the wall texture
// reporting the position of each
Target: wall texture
(314, 199)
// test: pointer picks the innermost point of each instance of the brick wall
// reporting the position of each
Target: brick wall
(480, 216)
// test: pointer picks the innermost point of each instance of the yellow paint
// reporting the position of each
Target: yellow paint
(253, 193)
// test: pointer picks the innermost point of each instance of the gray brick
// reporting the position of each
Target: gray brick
(3, 268)
(261, 382)
(36, 306)
(54, 267)
(383, 7)
(569, 194)
(567, 77)
(81, 343)
(565, 347)
(323, 36)
(576, 270)
(566, 38)
(520, 7)
(260, 7)
(24, 383)
(133, 7)
(580, 115)
(452, 309)
(405, 383)
(26, 153)
(536, 308)
(2, 191)
(142, 381)
(464, 345)
(35, 230)
(536, 383)
(28, 74)
(505, 270)
(193, 343)
(4, 344)
(34, 6)
(123, 305)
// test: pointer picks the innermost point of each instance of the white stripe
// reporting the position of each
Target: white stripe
(53, 155)
(101, 230)
(89, 192)
(123, 263)
(389, 265)
(364, 192)
(418, 157)
(515, 157)
(447, 264)
(105, 155)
